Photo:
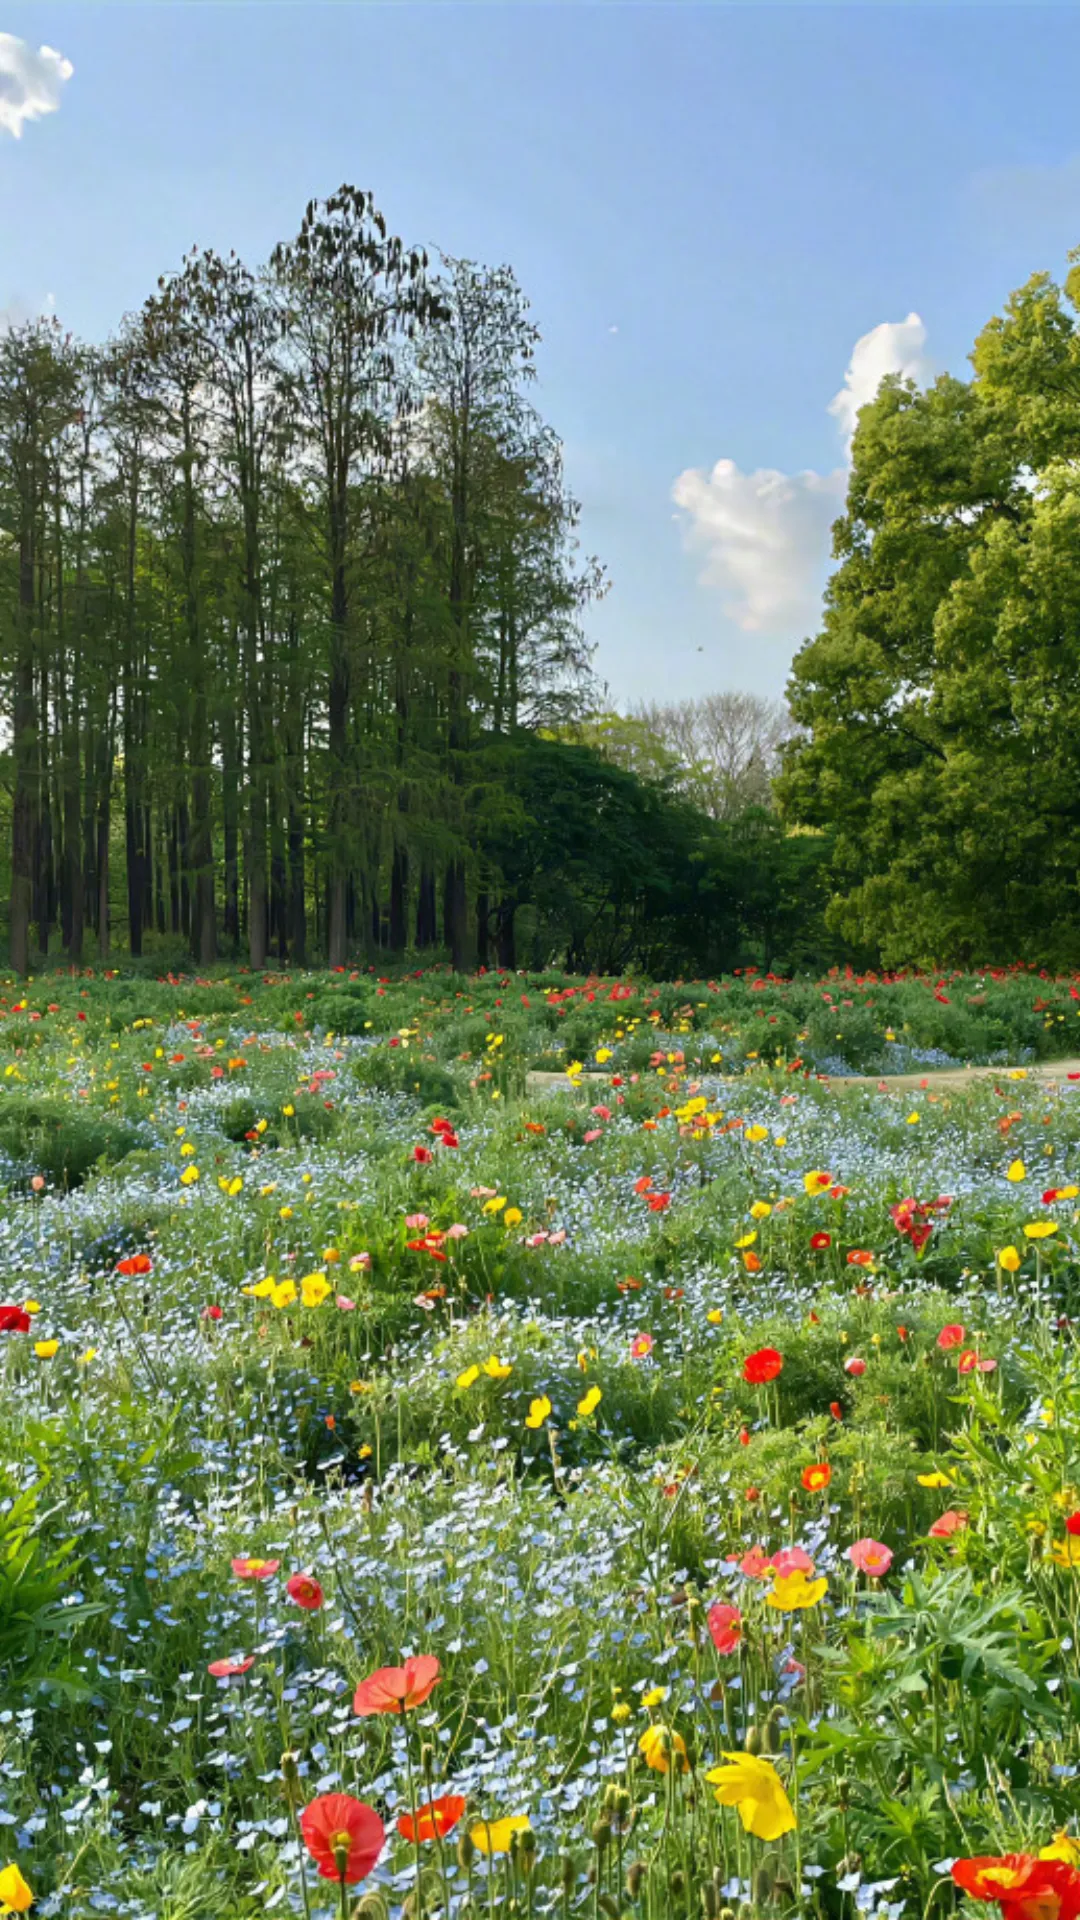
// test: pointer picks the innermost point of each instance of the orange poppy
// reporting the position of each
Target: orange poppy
(816, 1478)
(432, 1820)
(396, 1689)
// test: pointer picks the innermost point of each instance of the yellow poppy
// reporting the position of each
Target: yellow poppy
(794, 1592)
(1009, 1259)
(753, 1785)
(314, 1288)
(1040, 1229)
(15, 1895)
(539, 1410)
(658, 1745)
(496, 1836)
(495, 1369)
(590, 1402)
(46, 1348)
(1015, 1171)
(469, 1378)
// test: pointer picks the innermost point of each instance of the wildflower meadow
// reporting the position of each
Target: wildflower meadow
(522, 1444)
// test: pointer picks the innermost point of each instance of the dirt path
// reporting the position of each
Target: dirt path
(935, 1079)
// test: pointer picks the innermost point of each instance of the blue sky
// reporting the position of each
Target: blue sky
(708, 206)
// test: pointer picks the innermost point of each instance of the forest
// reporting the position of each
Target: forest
(291, 643)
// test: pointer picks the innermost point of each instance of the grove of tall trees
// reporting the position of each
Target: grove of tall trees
(287, 568)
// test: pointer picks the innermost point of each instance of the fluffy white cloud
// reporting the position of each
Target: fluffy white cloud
(765, 535)
(30, 83)
(896, 346)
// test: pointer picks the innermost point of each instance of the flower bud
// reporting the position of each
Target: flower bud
(634, 1877)
(601, 1835)
(754, 1741)
(761, 1886)
(466, 1850)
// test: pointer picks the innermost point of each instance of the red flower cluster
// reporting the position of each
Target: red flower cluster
(914, 1219)
(14, 1320)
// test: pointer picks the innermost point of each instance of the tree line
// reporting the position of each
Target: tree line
(280, 565)
(291, 655)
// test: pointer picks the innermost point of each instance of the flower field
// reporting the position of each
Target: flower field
(428, 1490)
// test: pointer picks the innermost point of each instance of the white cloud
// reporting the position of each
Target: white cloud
(30, 83)
(896, 346)
(765, 535)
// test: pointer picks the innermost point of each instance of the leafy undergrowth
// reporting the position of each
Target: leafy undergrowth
(327, 1348)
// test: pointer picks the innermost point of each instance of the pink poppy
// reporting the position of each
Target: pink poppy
(641, 1346)
(870, 1556)
(948, 1523)
(791, 1560)
(229, 1669)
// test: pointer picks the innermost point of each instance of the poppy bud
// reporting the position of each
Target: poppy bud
(290, 1774)
(754, 1741)
(567, 1872)
(373, 1907)
(466, 1850)
(525, 1850)
(427, 1762)
(677, 1882)
(607, 1905)
(726, 1913)
(634, 1877)
(761, 1886)
(710, 1901)
(601, 1835)
(773, 1735)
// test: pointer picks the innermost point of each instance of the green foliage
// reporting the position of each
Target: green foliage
(939, 702)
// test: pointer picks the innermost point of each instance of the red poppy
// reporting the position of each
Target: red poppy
(246, 1567)
(948, 1523)
(816, 1478)
(1026, 1888)
(628, 1285)
(433, 1820)
(422, 1156)
(969, 1362)
(227, 1669)
(306, 1592)
(762, 1366)
(860, 1257)
(211, 1312)
(1072, 1524)
(343, 1836)
(744, 1436)
(819, 1241)
(396, 1689)
(643, 1185)
(836, 1409)
(725, 1627)
(950, 1336)
(659, 1202)
(14, 1320)
(135, 1263)
(856, 1366)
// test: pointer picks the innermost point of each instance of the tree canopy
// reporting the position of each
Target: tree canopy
(940, 703)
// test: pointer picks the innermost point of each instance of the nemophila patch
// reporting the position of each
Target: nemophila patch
(350, 1347)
